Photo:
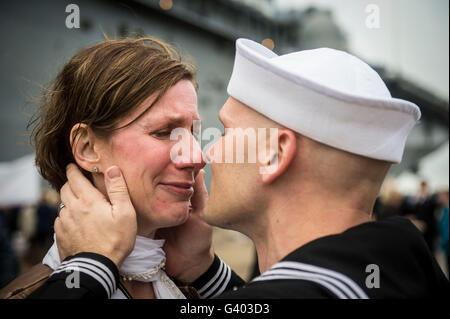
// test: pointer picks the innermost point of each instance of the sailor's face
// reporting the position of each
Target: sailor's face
(233, 168)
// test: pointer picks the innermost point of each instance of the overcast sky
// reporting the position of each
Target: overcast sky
(412, 39)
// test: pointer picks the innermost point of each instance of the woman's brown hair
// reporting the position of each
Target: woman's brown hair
(99, 86)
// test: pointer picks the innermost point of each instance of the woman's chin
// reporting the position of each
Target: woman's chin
(180, 216)
(171, 215)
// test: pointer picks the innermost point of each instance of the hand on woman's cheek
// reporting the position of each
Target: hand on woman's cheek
(89, 223)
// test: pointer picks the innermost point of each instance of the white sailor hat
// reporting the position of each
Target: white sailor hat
(327, 95)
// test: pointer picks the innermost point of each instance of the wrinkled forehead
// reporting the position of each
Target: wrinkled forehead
(178, 105)
(183, 105)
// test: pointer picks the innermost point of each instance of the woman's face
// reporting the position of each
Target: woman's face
(159, 188)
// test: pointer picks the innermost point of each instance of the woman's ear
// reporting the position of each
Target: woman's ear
(280, 159)
(84, 149)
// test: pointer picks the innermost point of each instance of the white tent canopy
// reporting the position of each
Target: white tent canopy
(407, 183)
(19, 182)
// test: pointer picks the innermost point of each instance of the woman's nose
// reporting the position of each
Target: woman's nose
(198, 156)
(194, 158)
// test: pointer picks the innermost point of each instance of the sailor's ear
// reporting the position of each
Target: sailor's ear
(280, 157)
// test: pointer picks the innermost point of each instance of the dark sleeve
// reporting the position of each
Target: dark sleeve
(84, 275)
(217, 279)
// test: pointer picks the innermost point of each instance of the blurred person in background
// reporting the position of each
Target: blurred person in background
(9, 263)
(427, 210)
(388, 204)
(423, 209)
(41, 238)
(10, 215)
(47, 210)
(443, 197)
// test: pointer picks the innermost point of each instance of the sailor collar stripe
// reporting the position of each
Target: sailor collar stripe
(96, 270)
(218, 283)
(337, 283)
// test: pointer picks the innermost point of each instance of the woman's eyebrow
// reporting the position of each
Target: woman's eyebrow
(181, 119)
(176, 120)
(155, 121)
(164, 120)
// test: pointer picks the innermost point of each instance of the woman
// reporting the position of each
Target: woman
(116, 103)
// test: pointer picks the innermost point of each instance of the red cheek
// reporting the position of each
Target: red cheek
(140, 149)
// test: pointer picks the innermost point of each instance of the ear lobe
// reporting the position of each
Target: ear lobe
(82, 141)
(280, 161)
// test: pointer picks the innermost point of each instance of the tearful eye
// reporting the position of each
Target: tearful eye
(196, 129)
(162, 134)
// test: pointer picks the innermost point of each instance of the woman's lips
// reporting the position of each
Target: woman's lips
(180, 189)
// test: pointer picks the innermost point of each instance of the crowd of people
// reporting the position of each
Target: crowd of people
(428, 211)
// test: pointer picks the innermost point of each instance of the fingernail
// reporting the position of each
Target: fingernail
(114, 172)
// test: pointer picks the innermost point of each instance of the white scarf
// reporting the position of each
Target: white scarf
(145, 263)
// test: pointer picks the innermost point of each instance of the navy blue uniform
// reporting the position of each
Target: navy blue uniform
(384, 259)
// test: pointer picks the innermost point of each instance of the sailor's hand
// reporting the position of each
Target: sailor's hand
(188, 247)
(88, 222)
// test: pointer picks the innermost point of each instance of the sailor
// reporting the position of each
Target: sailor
(310, 217)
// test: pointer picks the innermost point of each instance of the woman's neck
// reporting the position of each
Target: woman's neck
(146, 233)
